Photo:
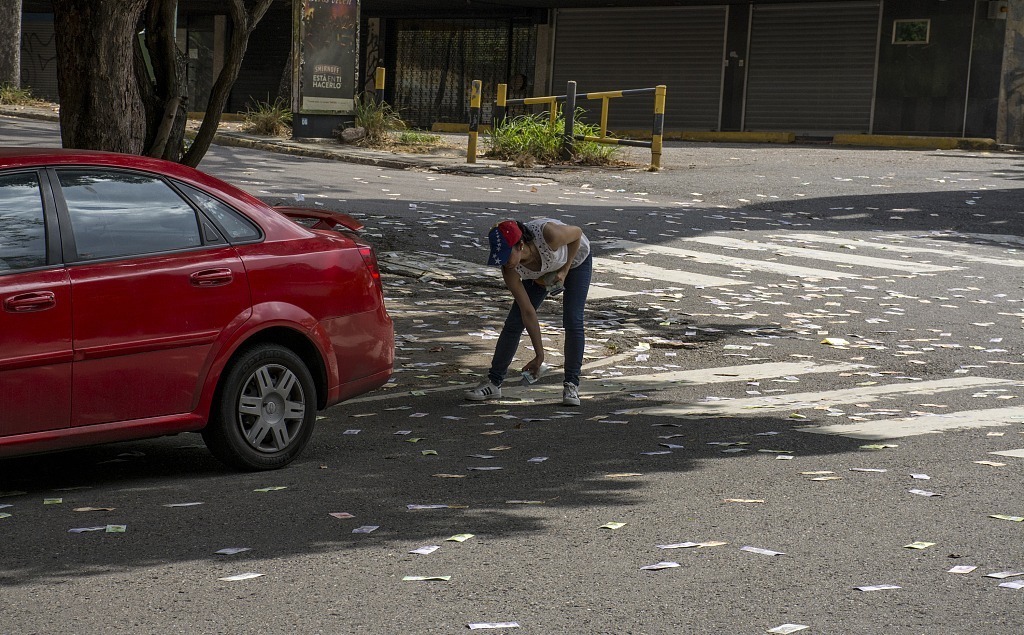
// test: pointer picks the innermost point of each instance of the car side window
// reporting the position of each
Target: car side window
(116, 213)
(22, 223)
(238, 227)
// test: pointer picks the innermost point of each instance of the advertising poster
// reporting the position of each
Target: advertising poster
(327, 42)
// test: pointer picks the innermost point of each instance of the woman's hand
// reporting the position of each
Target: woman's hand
(534, 366)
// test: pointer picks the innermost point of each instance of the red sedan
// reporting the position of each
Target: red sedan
(143, 298)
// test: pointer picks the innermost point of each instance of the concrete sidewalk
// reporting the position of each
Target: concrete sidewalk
(452, 159)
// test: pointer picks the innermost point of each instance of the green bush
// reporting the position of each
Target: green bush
(379, 119)
(530, 139)
(14, 96)
(274, 120)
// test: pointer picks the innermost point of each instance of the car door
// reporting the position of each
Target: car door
(35, 310)
(154, 288)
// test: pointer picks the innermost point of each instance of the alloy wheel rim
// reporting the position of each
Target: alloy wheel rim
(271, 408)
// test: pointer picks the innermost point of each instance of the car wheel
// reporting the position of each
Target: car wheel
(265, 411)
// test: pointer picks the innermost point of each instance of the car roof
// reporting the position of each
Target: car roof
(25, 157)
(31, 157)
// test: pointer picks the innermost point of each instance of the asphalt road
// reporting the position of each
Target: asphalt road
(725, 288)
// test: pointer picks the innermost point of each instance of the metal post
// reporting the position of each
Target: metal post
(499, 109)
(604, 116)
(658, 129)
(569, 112)
(378, 85)
(474, 120)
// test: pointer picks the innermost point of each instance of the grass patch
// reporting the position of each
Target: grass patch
(418, 138)
(271, 120)
(531, 139)
(379, 120)
(15, 96)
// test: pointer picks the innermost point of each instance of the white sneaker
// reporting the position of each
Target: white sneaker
(570, 394)
(484, 391)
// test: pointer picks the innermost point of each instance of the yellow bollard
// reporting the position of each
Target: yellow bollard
(500, 106)
(604, 116)
(378, 84)
(658, 129)
(474, 120)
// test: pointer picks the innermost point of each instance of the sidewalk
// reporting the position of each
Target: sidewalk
(453, 158)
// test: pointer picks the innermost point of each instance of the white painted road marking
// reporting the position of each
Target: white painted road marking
(925, 424)
(903, 249)
(742, 264)
(817, 254)
(640, 270)
(655, 381)
(755, 405)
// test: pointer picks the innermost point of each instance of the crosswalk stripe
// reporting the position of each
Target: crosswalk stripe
(742, 264)
(958, 256)
(818, 254)
(653, 381)
(640, 270)
(925, 424)
(740, 372)
(775, 403)
(694, 377)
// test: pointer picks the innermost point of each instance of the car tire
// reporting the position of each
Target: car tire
(265, 410)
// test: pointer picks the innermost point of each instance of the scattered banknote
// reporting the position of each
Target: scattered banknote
(660, 565)
(241, 576)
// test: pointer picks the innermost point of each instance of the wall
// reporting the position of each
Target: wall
(923, 88)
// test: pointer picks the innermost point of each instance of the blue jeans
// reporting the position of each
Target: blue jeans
(577, 284)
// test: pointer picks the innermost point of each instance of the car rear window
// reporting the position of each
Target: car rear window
(238, 227)
(22, 223)
(116, 213)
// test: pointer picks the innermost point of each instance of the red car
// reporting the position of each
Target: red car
(143, 298)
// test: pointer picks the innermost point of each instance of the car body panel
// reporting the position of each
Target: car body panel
(143, 340)
(35, 365)
(156, 313)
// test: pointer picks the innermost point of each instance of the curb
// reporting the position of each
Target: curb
(914, 142)
(231, 140)
(12, 111)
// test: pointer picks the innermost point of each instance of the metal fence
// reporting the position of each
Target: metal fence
(435, 62)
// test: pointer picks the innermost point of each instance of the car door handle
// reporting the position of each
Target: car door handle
(29, 302)
(212, 277)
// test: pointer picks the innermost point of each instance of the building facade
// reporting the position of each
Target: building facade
(814, 68)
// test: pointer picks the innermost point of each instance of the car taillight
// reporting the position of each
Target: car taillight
(370, 260)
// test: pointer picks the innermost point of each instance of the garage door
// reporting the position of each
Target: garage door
(811, 68)
(613, 49)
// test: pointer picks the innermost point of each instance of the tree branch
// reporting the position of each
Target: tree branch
(244, 22)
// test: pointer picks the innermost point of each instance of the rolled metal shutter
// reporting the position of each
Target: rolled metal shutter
(811, 67)
(615, 49)
(39, 55)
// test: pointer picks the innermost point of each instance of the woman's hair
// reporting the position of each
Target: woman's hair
(527, 233)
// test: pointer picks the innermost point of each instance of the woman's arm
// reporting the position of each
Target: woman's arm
(556, 235)
(529, 314)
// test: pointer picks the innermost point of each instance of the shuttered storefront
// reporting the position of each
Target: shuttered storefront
(38, 55)
(811, 67)
(614, 49)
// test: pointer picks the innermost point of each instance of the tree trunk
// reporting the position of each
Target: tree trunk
(10, 42)
(101, 108)
(243, 22)
(163, 95)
